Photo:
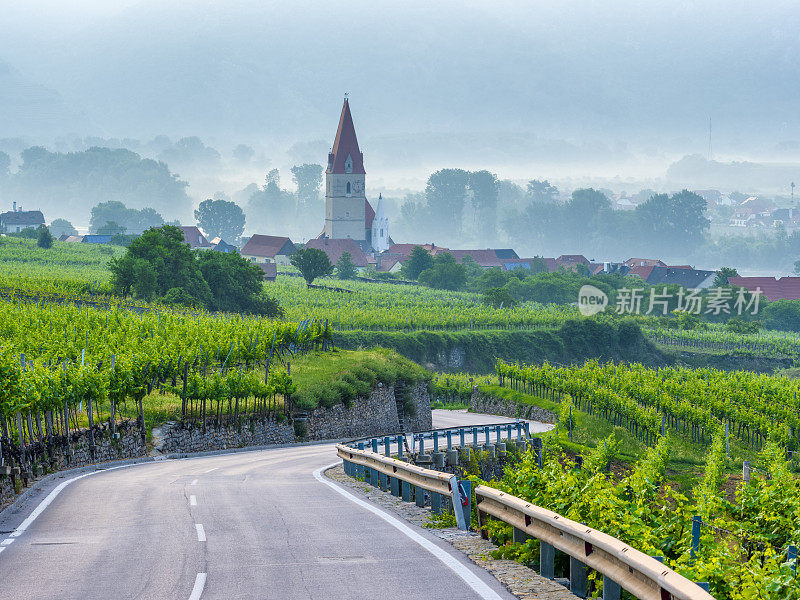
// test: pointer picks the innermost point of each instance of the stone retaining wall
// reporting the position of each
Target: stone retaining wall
(492, 405)
(180, 437)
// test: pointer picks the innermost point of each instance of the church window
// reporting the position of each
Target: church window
(348, 187)
(348, 164)
(381, 232)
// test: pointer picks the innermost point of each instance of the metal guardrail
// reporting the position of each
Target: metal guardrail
(622, 566)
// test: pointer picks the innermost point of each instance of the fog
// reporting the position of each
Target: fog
(608, 95)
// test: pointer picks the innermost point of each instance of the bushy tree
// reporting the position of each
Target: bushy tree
(45, 238)
(542, 191)
(446, 192)
(112, 228)
(498, 297)
(345, 269)
(419, 261)
(61, 227)
(446, 273)
(484, 188)
(721, 278)
(308, 179)
(130, 219)
(221, 218)
(312, 263)
(236, 284)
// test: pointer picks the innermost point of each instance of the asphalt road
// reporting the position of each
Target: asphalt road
(252, 525)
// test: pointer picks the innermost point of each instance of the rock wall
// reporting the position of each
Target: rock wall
(189, 437)
(491, 405)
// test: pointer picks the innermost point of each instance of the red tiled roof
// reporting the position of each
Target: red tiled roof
(406, 249)
(485, 258)
(644, 262)
(270, 270)
(643, 272)
(369, 214)
(26, 217)
(267, 246)
(571, 259)
(345, 145)
(679, 266)
(194, 237)
(773, 289)
(335, 248)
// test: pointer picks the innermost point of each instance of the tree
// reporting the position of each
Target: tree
(190, 152)
(112, 228)
(498, 297)
(484, 188)
(676, 222)
(5, 165)
(345, 269)
(135, 221)
(445, 193)
(419, 261)
(45, 238)
(446, 274)
(542, 191)
(312, 263)
(797, 267)
(237, 285)
(221, 218)
(271, 206)
(243, 153)
(156, 262)
(60, 227)
(722, 276)
(308, 179)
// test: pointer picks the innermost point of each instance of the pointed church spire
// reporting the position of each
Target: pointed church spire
(345, 156)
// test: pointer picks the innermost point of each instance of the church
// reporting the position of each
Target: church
(348, 213)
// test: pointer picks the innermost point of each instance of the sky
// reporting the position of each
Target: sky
(609, 89)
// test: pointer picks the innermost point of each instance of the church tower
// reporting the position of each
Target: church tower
(345, 202)
(380, 228)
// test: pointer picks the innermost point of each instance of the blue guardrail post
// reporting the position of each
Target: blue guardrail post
(475, 437)
(697, 522)
(578, 578)
(400, 440)
(547, 560)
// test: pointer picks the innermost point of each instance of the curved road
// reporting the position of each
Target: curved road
(249, 525)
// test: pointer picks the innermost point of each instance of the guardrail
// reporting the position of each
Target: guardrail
(622, 566)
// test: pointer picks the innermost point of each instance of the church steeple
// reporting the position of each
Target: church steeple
(345, 156)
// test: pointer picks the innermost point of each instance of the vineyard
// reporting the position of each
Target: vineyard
(698, 403)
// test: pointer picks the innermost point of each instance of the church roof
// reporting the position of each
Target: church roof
(345, 145)
(369, 214)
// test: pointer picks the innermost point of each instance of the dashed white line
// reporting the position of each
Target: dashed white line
(2, 548)
(201, 533)
(7, 542)
(192, 500)
(194, 482)
(209, 471)
(470, 578)
(199, 584)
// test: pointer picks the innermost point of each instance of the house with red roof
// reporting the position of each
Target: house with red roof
(773, 289)
(334, 248)
(195, 238)
(644, 262)
(17, 219)
(269, 249)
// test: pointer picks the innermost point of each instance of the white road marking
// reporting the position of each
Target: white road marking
(199, 584)
(2, 548)
(470, 578)
(192, 500)
(201, 533)
(194, 482)
(209, 471)
(7, 542)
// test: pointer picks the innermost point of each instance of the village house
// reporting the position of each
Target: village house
(17, 219)
(195, 238)
(334, 248)
(753, 212)
(773, 289)
(269, 249)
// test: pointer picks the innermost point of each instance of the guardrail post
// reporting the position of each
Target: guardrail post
(578, 578)
(791, 557)
(519, 431)
(435, 441)
(395, 485)
(449, 440)
(456, 498)
(347, 467)
(519, 536)
(547, 560)
(508, 432)
(360, 468)
(436, 503)
(704, 585)
(461, 437)
(419, 496)
(486, 434)
(697, 522)
(421, 444)
(466, 489)
(527, 427)
(539, 451)
(387, 446)
(400, 440)
(405, 491)
(375, 445)
(611, 589)
(475, 437)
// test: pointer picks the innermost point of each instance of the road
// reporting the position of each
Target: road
(255, 525)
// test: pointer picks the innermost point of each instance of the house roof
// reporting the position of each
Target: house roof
(773, 289)
(194, 237)
(73, 239)
(268, 246)
(405, 250)
(96, 239)
(270, 270)
(643, 272)
(345, 144)
(334, 248)
(566, 259)
(388, 265)
(688, 278)
(26, 217)
(485, 258)
(369, 215)
(504, 253)
(644, 262)
(509, 264)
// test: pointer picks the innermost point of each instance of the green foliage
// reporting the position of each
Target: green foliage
(599, 459)
(312, 263)
(126, 219)
(220, 218)
(345, 269)
(419, 261)
(308, 179)
(236, 284)
(739, 325)
(111, 228)
(498, 298)
(61, 227)
(44, 238)
(782, 314)
(721, 279)
(445, 274)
